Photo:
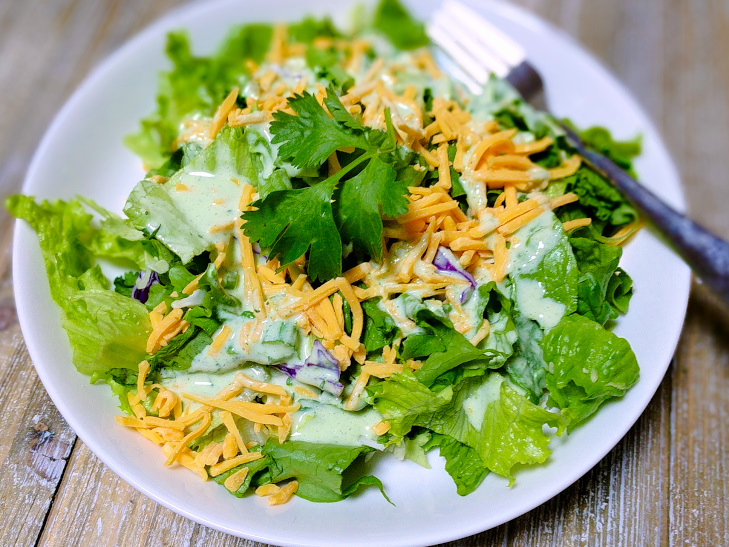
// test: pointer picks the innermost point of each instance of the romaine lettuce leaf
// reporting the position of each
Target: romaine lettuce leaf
(256, 470)
(179, 159)
(619, 291)
(497, 308)
(600, 140)
(463, 463)
(394, 21)
(500, 101)
(453, 349)
(121, 390)
(150, 208)
(483, 412)
(599, 200)
(118, 240)
(106, 330)
(587, 366)
(181, 350)
(319, 468)
(176, 221)
(527, 368)
(379, 328)
(545, 274)
(309, 28)
(499, 423)
(598, 264)
(404, 402)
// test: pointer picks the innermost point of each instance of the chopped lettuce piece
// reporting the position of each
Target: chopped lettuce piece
(621, 153)
(463, 463)
(319, 468)
(497, 308)
(151, 209)
(500, 101)
(118, 240)
(599, 200)
(598, 265)
(527, 368)
(587, 366)
(504, 427)
(394, 21)
(499, 423)
(106, 330)
(121, 390)
(403, 401)
(257, 469)
(544, 274)
(309, 28)
(445, 347)
(179, 219)
(379, 328)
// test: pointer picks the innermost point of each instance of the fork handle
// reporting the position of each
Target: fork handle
(707, 254)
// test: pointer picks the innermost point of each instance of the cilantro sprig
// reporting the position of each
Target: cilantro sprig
(344, 208)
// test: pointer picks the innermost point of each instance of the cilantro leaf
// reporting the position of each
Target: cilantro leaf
(291, 222)
(310, 137)
(359, 203)
(341, 114)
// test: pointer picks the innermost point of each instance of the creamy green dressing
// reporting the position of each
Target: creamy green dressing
(211, 198)
(475, 404)
(470, 309)
(266, 351)
(532, 302)
(329, 424)
(533, 242)
(290, 72)
(204, 384)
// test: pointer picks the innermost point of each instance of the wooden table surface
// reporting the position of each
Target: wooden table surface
(664, 484)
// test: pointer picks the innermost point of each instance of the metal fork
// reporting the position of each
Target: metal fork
(476, 48)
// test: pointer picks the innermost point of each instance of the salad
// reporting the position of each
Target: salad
(338, 252)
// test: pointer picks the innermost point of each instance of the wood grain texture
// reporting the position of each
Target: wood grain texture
(666, 481)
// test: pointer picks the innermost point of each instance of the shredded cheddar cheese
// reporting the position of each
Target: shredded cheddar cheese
(284, 494)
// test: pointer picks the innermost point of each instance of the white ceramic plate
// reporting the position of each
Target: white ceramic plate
(82, 154)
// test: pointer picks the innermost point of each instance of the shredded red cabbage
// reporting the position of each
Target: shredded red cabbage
(145, 280)
(320, 369)
(446, 262)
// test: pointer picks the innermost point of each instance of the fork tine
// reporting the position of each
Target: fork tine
(461, 56)
(488, 59)
(444, 60)
(478, 48)
(488, 35)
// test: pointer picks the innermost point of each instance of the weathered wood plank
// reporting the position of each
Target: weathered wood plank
(696, 125)
(113, 512)
(35, 441)
(699, 456)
